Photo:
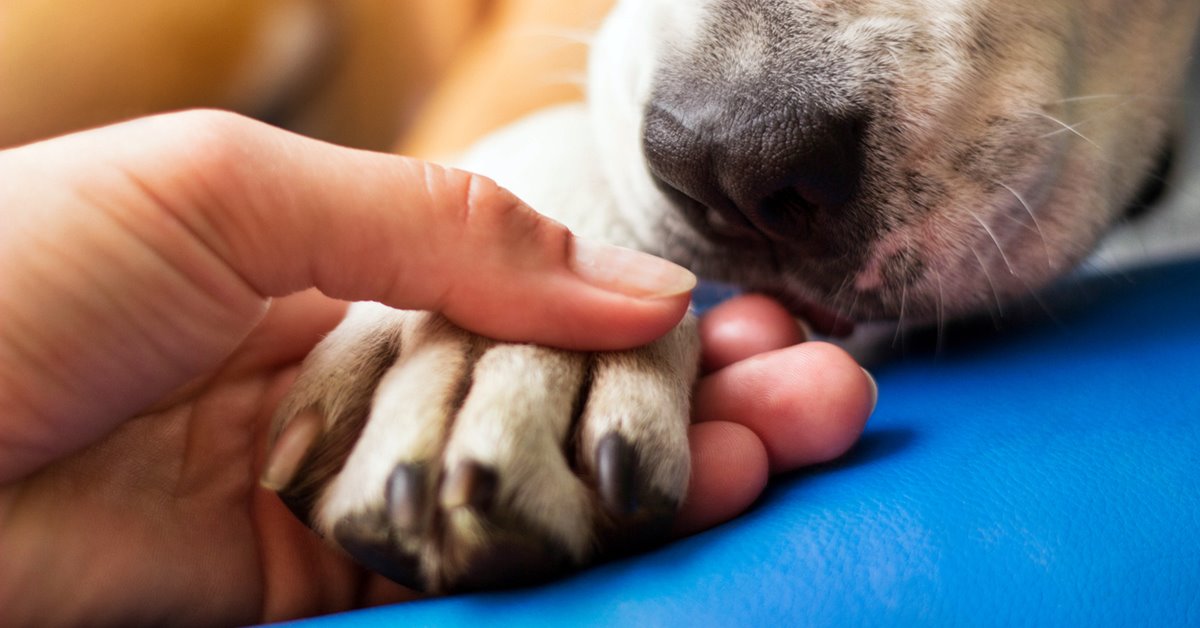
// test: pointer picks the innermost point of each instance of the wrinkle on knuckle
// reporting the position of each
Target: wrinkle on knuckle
(188, 160)
(197, 185)
(208, 152)
(492, 211)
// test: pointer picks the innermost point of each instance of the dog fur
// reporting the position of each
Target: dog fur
(994, 144)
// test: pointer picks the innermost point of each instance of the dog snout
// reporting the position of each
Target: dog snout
(743, 165)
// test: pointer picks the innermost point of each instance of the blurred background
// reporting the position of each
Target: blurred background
(424, 77)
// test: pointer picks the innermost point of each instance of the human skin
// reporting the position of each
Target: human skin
(161, 280)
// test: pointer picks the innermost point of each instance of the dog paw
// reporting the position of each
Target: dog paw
(447, 461)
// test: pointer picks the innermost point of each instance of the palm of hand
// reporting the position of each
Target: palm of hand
(166, 513)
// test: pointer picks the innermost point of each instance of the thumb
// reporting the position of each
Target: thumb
(286, 213)
(136, 257)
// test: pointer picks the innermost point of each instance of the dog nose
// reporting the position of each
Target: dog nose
(754, 166)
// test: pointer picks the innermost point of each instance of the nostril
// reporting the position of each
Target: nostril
(788, 209)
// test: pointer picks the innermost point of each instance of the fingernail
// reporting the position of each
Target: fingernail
(874, 391)
(289, 451)
(629, 272)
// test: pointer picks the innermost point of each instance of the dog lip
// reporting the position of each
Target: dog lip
(823, 319)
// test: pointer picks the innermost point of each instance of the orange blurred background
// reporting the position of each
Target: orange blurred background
(425, 77)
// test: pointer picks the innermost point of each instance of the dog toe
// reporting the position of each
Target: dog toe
(457, 463)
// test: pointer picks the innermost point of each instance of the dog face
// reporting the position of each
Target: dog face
(908, 159)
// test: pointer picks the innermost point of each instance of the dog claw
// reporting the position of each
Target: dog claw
(616, 474)
(406, 497)
(366, 539)
(470, 484)
(643, 516)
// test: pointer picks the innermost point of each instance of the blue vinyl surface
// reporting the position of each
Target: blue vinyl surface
(1048, 474)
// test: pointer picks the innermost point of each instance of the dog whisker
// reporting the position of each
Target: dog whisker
(988, 277)
(1037, 298)
(853, 305)
(839, 294)
(1066, 128)
(941, 315)
(900, 318)
(1032, 216)
(1115, 96)
(1086, 98)
(567, 36)
(991, 234)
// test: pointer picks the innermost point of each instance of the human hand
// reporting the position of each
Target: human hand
(140, 357)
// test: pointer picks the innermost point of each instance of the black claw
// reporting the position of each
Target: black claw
(472, 485)
(364, 537)
(616, 474)
(406, 497)
(641, 516)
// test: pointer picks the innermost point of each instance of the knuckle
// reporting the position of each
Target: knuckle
(206, 140)
(205, 152)
(214, 130)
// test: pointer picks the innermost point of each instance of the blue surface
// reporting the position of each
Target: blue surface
(1045, 475)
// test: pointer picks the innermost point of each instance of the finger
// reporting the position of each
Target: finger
(368, 226)
(745, 326)
(729, 471)
(137, 257)
(808, 403)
